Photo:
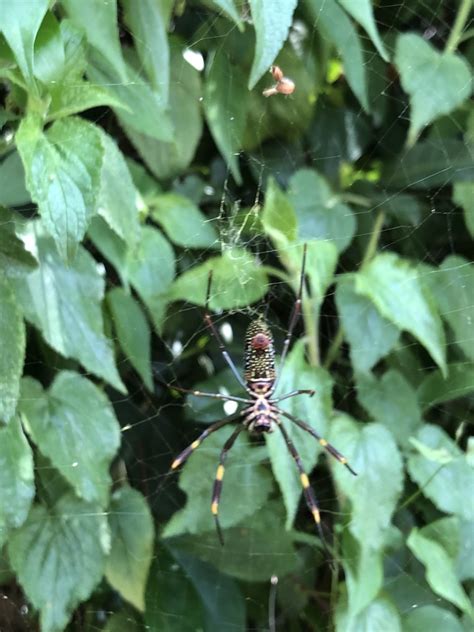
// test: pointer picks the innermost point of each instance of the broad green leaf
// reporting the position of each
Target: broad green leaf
(439, 570)
(49, 57)
(432, 618)
(74, 425)
(463, 195)
(75, 62)
(225, 107)
(246, 486)
(372, 452)
(100, 24)
(436, 83)
(17, 487)
(128, 563)
(12, 181)
(319, 213)
(465, 560)
(237, 281)
(315, 411)
(453, 288)
(362, 11)
(62, 173)
(338, 29)
(12, 356)
(20, 28)
(63, 302)
(58, 556)
(278, 216)
(118, 198)
(109, 244)
(133, 332)
(15, 261)
(436, 389)
(400, 295)
(272, 21)
(443, 480)
(182, 221)
(148, 27)
(380, 615)
(369, 334)
(71, 98)
(392, 402)
(435, 162)
(261, 536)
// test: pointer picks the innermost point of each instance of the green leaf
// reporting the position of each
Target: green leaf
(20, 28)
(128, 563)
(272, 21)
(362, 12)
(182, 221)
(74, 425)
(431, 618)
(392, 402)
(63, 175)
(246, 486)
(225, 106)
(278, 216)
(436, 389)
(118, 198)
(463, 195)
(67, 99)
(398, 292)
(228, 7)
(372, 452)
(369, 334)
(17, 486)
(432, 163)
(12, 181)
(380, 615)
(237, 281)
(436, 83)
(133, 332)
(319, 213)
(148, 27)
(49, 57)
(338, 29)
(443, 475)
(58, 556)
(465, 561)
(12, 357)
(439, 570)
(315, 411)
(63, 302)
(453, 288)
(15, 261)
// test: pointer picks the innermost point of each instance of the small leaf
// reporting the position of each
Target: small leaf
(278, 216)
(63, 302)
(58, 556)
(128, 563)
(237, 281)
(436, 389)
(182, 221)
(17, 486)
(133, 332)
(398, 292)
(437, 83)
(392, 402)
(362, 11)
(444, 482)
(67, 99)
(372, 452)
(62, 173)
(463, 195)
(13, 342)
(319, 213)
(369, 334)
(74, 425)
(432, 618)
(439, 570)
(272, 21)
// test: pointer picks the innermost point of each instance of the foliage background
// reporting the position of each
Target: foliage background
(126, 174)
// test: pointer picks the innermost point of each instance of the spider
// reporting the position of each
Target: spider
(283, 85)
(261, 413)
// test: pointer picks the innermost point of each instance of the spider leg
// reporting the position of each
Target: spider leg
(308, 492)
(228, 398)
(217, 490)
(181, 458)
(212, 328)
(322, 442)
(304, 391)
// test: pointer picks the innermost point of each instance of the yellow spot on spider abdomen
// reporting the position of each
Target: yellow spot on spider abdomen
(175, 464)
(343, 460)
(304, 480)
(316, 515)
(214, 508)
(195, 444)
(220, 473)
(323, 442)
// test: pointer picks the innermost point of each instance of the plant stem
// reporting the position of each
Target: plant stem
(458, 26)
(370, 251)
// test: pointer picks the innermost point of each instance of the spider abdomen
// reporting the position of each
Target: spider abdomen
(259, 353)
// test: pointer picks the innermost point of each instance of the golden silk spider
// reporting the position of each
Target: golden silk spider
(261, 413)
